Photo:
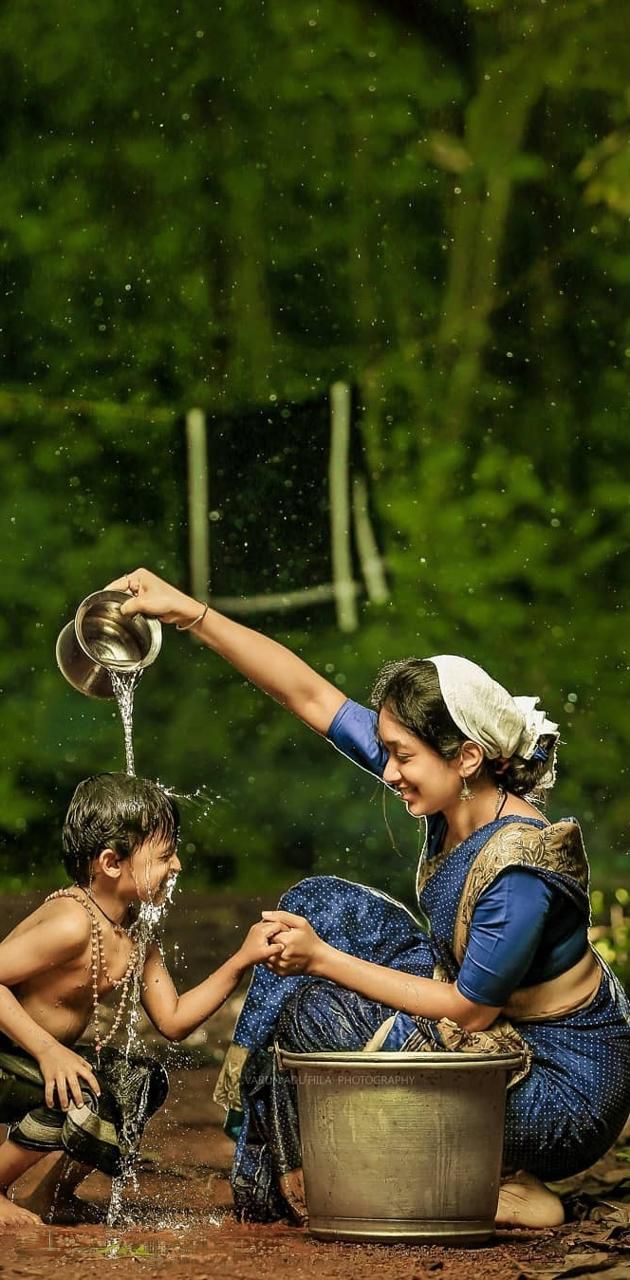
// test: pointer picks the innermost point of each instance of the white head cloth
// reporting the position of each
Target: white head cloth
(504, 726)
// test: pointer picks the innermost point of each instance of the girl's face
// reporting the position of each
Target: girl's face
(423, 779)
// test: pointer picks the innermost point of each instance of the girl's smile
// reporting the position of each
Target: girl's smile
(425, 782)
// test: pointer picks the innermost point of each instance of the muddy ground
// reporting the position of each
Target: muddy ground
(179, 1220)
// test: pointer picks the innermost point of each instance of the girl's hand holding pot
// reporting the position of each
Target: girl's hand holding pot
(156, 598)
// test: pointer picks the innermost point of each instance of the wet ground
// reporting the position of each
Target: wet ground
(179, 1220)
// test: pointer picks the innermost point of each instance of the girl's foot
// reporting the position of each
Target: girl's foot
(524, 1201)
(292, 1188)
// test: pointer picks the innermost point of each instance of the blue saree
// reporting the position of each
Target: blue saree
(571, 1098)
(564, 1109)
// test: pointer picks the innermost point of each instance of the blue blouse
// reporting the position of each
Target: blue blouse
(523, 930)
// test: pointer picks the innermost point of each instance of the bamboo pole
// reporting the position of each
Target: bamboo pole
(277, 601)
(339, 491)
(371, 563)
(198, 527)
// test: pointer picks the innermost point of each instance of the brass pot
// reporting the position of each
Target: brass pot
(401, 1146)
(102, 639)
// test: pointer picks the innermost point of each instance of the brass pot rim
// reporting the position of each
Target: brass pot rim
(118, 597)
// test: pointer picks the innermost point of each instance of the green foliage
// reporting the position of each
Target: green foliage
(241, 206)
(611, 931)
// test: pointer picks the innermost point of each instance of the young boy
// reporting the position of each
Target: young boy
(120, 847)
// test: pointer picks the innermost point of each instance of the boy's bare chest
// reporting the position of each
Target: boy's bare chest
(110, 958)
(62, 1000)
(72, 984)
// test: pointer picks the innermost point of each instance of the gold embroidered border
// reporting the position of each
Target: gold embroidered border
(227, 1091)
(501, 1037)
(427, 867)
(558, 847)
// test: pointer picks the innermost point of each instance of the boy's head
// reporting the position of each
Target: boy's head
(121, 815)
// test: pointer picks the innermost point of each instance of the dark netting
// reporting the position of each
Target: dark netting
(268, 492)
(269, 502)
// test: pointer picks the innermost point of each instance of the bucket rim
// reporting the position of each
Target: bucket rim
(382, 1060)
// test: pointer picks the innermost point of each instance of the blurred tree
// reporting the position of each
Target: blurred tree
(228, 209)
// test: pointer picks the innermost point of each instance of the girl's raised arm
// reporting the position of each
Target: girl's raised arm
(271, 666)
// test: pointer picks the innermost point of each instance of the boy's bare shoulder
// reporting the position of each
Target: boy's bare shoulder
(64, 919)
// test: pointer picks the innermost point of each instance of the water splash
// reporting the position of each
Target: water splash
(200, 799)
(133, 1108)
(124, 684)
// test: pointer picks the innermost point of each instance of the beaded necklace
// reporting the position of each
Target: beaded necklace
(99, 964)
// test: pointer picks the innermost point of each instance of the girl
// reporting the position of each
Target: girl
(507, 962)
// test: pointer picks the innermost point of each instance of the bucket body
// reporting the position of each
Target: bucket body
(401, 1146)
(102, 639)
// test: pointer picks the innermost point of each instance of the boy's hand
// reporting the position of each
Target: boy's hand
(150, 595)
(259, 947)
(301, 944)
(62, 1070)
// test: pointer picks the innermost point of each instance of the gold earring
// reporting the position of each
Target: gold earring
(465, 793)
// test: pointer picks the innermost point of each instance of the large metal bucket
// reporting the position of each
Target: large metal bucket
(401, 1146)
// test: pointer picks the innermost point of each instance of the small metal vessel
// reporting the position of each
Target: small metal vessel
(101, 639)
(401, 1146)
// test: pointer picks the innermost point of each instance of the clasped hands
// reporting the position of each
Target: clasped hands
(301, 945)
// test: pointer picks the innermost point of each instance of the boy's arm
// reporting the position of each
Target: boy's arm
(50, 942)
(274, 668)
(176, 1016)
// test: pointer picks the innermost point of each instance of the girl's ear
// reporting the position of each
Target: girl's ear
(471, 759)
(109, 863)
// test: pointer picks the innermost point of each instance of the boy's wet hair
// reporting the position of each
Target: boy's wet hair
(115, 811)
